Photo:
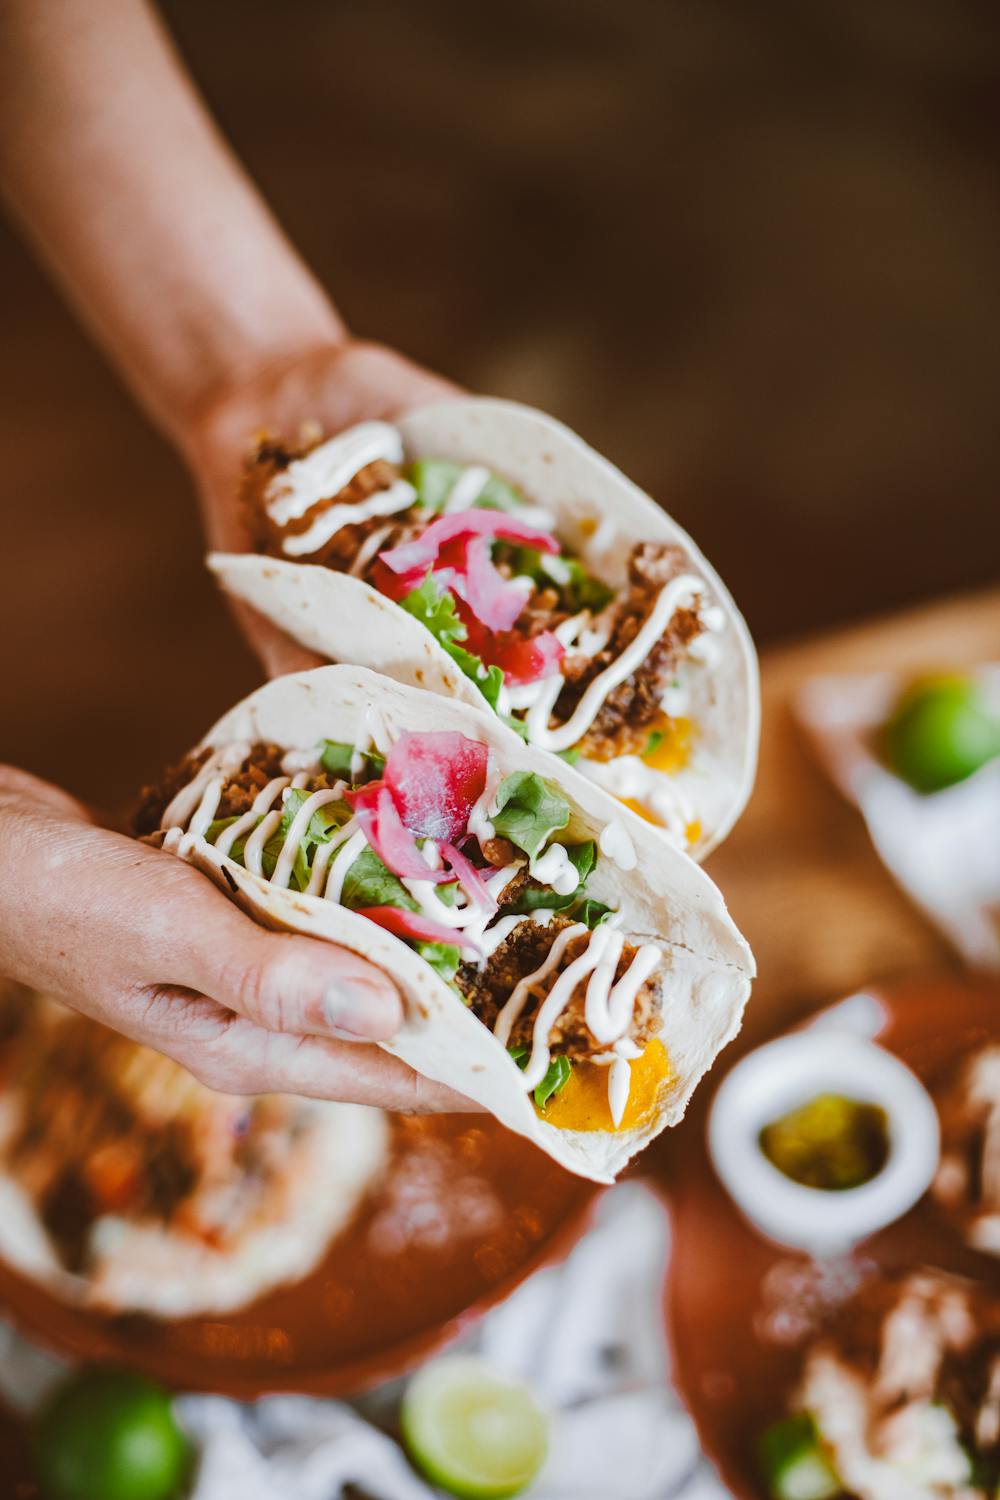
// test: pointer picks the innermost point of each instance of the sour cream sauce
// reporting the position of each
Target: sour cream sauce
(323, 473)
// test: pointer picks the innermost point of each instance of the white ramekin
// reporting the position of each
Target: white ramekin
(780, 1076)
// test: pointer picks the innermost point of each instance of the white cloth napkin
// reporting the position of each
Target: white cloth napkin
(944, 849)
(587, 1334)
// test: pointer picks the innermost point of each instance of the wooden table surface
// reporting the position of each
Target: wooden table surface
(799, 873)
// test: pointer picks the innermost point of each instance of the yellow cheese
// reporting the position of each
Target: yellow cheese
(582, 1102)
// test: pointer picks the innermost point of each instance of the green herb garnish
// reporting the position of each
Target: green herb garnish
(555, 1078)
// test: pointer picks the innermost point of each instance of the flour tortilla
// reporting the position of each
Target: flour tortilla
(348, 621)
(665, 897)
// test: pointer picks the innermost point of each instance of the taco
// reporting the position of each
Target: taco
(561, 963)
(481, 550)
(126, 1185)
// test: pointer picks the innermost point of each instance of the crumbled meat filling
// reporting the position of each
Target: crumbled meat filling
(156, 798)
(263, 764)
(635, 706)
(488, 989)
(341, 549)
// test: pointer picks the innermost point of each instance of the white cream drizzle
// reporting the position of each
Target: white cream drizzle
(467, 488)
(479, 824)
(629, 776)
(253, 849)
(616, 844)
(297, 831)
(608, 1006)
(178, 811)
(670, 598)
(371, 736)
(325, 471)
(555, 868)
(207, 807)
(243, 825)
(553, 1006)
(342, 863)
(511, 1012)
(619, 1088)
(323, 855)
(368, 549)
(398, 496)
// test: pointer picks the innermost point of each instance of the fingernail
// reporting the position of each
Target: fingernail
(359, 1012)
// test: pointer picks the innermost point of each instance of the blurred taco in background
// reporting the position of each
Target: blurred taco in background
(481, 550)
(560, 962)
(897, 1399)
(127, 1185)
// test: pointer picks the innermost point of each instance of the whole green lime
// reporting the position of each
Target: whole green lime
(940, 731)
(108, 1435)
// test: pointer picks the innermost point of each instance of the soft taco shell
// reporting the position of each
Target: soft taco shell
(348, 621)
(708, 965)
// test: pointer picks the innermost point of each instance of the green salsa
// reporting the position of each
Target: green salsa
(830, 1142)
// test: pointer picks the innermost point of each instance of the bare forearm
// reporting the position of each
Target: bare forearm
(117, 172)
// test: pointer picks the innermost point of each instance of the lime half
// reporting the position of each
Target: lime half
(474, 1432)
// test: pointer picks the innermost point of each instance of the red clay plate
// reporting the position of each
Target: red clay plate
(463, 1214)
(731, 1298)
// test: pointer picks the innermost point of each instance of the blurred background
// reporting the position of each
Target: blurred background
(750, 252)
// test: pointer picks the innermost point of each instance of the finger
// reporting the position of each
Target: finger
(280, 981)
(149, 917)
(231, 1054)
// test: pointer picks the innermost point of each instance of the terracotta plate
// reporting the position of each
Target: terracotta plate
(734, 1302)
(464, 1213)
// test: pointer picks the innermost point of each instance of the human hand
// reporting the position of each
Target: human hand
(335, 385)
(140, 941)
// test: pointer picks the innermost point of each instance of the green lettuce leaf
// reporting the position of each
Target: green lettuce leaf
(583, 856)
(577, 588)
(556, 1078)
(591, 912)
(444, 958)
(369, 882)
(435, 478)
(336, 758)
(529, 809)
(434, 607)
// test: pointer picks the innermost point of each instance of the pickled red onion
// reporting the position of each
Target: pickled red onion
(470, 879)
(409, 924)
(376, 811)
(423, 551)
(435, 779)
